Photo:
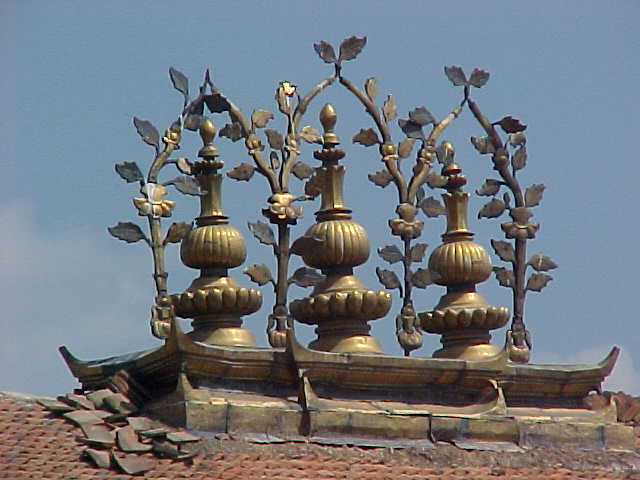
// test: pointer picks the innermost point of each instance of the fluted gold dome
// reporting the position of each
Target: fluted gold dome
(344, 243)
(459, 262)
(213, 246)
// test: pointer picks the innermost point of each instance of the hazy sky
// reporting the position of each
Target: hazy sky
(75, 73)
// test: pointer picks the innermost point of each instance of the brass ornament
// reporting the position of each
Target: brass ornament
(462, 317)
(340, 306)
(470, 387)
(214, 300)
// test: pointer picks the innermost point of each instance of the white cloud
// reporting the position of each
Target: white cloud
(625, 375)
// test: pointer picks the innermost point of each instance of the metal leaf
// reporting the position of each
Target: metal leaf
(187, 185)
(242, 172)
(421, 278)
(420, 193)
(493, 209)
(519, 158)
(306, 277)
(489, 188)
(302, 170)
(517, 139)
(183, 165)
(129, 171)
(275, 139)
(511, 125)
(541, 262)
(391, 254)
(351, 47)
(232, 131)
(274, 159)
(258, 273)
(262, 232)
(417, 252)
(435, 180)
(147, 132)
(193, 121)
(388, 278)
(421, 116)
(538, 281)
(478, 77)
(483, 145)
(405, 147)
(389, 109)
(411, 129)
(325, 51)
(504, 250)
(177, 231)
(506, 198)
(217, 103)
(127, 231)
(456, 75)
(180, 82)
(371, 87)
(314, 185)
(533, 195)
(505, 277)
(366, 137)
(381, 178)
(310, 135)
(432, 207)
(260, 118)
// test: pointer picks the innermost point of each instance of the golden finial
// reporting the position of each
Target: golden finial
(340, 306)
(328, 118)
(462, 316)
(207, 134)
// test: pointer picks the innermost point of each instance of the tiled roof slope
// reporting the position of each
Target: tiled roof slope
(38, 444)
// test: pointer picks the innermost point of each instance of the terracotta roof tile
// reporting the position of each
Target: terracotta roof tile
(35, 443)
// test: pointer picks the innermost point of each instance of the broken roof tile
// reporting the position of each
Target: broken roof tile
(78, 401)
(97, 397)
(55, 405)
(101, 458)
(98, 435)
(128, 440)
(83, 417)
(119, 404)
(140, 424)
(132, 464)
(166, 449)
(179, 437)
(155, 432)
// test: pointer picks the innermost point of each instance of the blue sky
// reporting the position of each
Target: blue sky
(76, 72)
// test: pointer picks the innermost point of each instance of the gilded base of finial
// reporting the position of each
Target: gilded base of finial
(464, 319)
(480, 351)
(342, 318)
(216, 304)
(349, 344)
(363, 305)
(216, 295)
(226, 336)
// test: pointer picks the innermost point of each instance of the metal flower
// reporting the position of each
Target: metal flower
(520, 227)
(521, 231)
(281, 210)
(406, 226)
(153, 204)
